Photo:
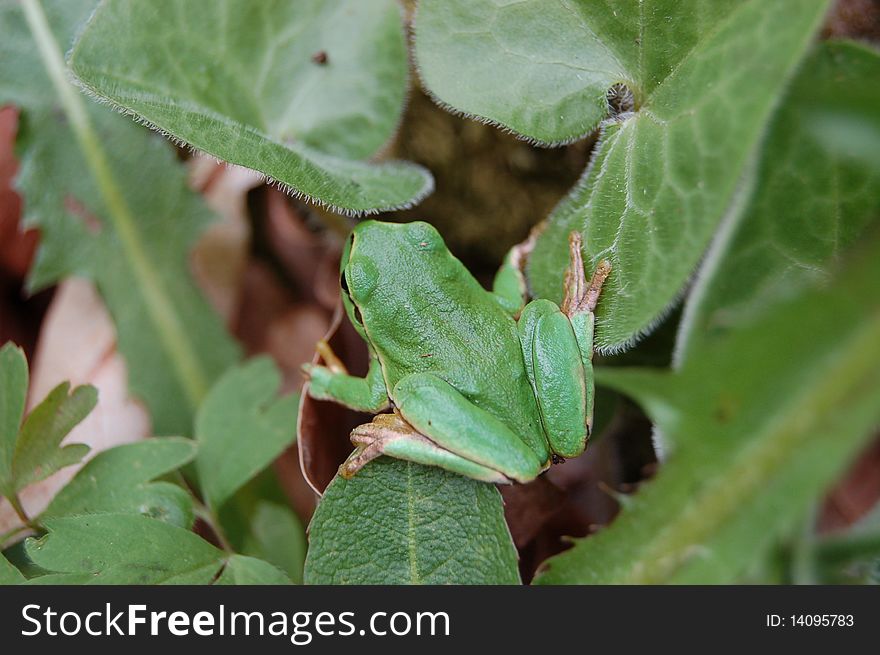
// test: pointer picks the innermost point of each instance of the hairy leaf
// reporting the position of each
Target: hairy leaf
(762, 421)
(126, 218)
(396, 522)
(278, 537)
(241, 428)
(120, 480)
(300, 91)
(812, 198)
(703, 79)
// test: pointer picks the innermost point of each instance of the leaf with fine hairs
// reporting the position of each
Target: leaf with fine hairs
(303, 92)
(687, 87)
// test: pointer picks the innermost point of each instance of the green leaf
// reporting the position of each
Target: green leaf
(241, 570)
(126, 220)
(13, 396)
(134, 549)
(38, 451)
(241, 428)
(761, 422)
(239, 81)
(704, 78)
(812, 198)
(124, 549)
(9, 575)
(119, 480)
(278, 537)
(32, 452)
(396, 522)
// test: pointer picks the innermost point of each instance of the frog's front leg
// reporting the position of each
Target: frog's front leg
(333, 382)
(558, 352)
(435, 424)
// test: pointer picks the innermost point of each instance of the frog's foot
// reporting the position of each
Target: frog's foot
(390, 434)
(372, 439)
(581, 296)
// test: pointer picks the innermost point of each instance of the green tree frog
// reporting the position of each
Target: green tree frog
(477, 382)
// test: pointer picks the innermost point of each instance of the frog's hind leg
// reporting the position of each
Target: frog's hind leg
(390, 434)
(451, 420)
(558, 354)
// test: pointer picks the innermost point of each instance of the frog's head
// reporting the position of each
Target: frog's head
(386, 264)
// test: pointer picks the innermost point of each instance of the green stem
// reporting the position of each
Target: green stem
(803, 553)
(159, 307)
(19, 510)
(204, 512)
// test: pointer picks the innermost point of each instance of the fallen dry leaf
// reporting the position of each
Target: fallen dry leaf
(323, 426)
(291, 338)
(855, 494)
(16, 246)
(220, 257)
(309, 258)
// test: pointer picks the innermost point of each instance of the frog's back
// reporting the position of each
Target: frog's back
(426, 313)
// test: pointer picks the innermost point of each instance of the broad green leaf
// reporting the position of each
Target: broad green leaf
(241, 428)
(243, 81)
(125, 549)
(13, 395)
(762, 422)
(704, 79)
(120, 480)
(31, 451)
(278, 537)
(60, 579)
(542, 68)
(9, 574)
(401, 523)
(812, 196)
(241, 570)
(125, 219)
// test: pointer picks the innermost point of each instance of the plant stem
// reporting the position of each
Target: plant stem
(19, 510)
(159, 307)
(6, 536)
(204, 512)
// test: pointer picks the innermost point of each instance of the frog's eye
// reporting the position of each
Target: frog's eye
(362, 278)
